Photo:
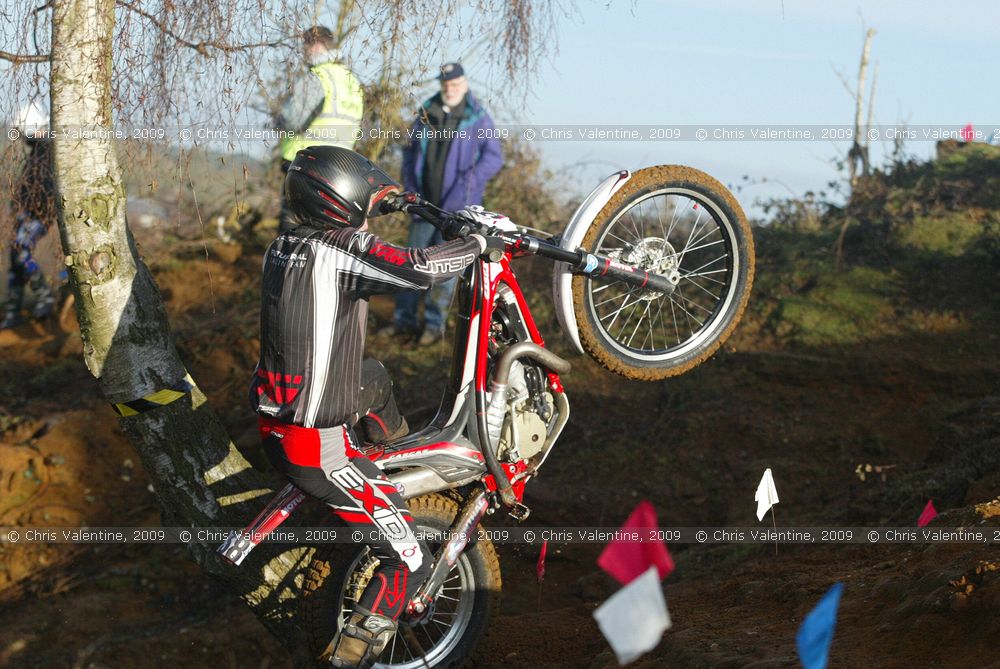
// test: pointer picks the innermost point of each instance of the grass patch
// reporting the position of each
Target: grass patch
(950, 234)
(838, 307)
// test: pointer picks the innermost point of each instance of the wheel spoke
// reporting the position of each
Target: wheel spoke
(710, 262)
(714, 296)
(392, 649)
(677, 330)
(663, 326)
(624, 241)
(409, 636)
(679, 306)
(612, 299)
(705, 246)
(690, 235)
(628, 320)
(705, 275)
(645, 314)
(444, 625)
(605, 287)
(687, 299)
(638, 235)
(673, 220)
(659, 217)
(689, 247)
(616, 313)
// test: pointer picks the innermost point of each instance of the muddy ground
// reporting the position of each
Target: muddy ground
(924, 400)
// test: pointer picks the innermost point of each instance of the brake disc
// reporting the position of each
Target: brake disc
(656, 256)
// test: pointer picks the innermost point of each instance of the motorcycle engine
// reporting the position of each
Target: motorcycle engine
(530, 409)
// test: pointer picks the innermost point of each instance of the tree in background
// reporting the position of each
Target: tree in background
(858, 161)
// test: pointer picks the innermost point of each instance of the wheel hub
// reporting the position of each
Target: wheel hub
(656, 256)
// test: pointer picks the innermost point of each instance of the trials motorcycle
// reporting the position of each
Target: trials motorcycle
(651, 276)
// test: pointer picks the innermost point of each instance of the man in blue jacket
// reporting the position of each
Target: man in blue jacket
(452, 154)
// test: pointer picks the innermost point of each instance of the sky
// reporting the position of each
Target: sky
(690, 62)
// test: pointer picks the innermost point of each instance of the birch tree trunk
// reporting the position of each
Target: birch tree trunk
(200, 479)
(858, 155)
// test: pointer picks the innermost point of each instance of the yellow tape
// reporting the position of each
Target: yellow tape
(155, 400)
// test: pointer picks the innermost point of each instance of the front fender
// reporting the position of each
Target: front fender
(579, 224)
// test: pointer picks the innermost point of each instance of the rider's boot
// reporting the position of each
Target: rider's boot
(358, 645)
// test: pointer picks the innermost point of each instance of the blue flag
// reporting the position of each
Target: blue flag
(816, 631)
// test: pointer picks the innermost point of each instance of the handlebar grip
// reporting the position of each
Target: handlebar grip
(495, 248)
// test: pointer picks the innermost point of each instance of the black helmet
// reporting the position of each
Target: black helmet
(336, 187)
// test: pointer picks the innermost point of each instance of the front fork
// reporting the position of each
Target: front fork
(459, 536)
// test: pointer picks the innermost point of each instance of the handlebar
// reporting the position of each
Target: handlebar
(595, 266)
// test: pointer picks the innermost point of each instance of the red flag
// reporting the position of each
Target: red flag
(968, 133)
(540, 567)
(625, 559)
(928, 514)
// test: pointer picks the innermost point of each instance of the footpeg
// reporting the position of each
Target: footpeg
(520, 512)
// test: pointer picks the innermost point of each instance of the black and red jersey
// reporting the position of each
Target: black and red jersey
(314, 309)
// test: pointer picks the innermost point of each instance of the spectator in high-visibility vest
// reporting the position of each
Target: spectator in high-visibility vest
(324, 108)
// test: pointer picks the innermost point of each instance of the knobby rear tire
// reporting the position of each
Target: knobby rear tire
(333, 566)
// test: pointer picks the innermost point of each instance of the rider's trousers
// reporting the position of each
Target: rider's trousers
(327, 464)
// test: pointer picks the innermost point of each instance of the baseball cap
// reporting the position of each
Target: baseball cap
(451, 71)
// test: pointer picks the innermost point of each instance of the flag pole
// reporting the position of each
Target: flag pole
(540, 573)
(775, 524)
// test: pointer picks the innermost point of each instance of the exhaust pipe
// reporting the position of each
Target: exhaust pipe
(491, 423)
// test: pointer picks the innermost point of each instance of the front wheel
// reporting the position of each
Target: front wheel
(446, 635)
(680, 223)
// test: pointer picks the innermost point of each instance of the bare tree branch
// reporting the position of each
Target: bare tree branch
(19, 58)
(201, 47)
(843, 80)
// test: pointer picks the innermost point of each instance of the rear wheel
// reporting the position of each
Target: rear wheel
(442, 638)
(680, 223)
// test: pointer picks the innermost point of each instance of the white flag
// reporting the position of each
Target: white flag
(634, 618)
(766, 494)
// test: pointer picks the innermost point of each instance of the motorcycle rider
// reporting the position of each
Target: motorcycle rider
(311, 389)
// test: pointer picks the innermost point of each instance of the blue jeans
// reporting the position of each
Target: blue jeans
(436, 300)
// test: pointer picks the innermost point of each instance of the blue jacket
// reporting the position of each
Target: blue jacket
(471, 162)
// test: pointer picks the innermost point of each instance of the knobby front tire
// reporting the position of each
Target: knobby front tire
(669, 220)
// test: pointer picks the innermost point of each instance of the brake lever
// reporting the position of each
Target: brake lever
(400, 202)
